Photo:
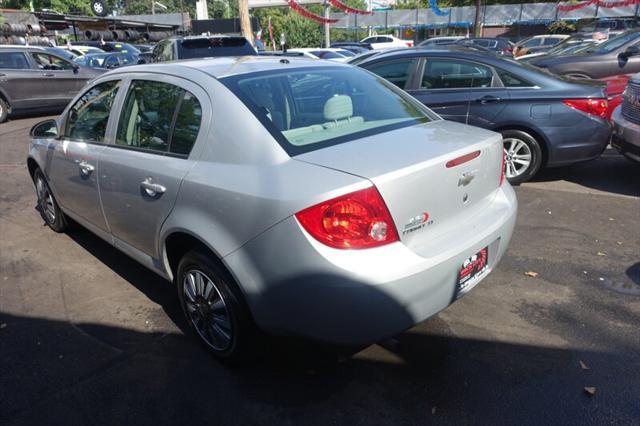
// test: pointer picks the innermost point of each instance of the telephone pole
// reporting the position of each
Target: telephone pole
(245, 22)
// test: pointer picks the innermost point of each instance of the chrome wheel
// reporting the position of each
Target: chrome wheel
(517, 157)
(45, 200)
(207, 310)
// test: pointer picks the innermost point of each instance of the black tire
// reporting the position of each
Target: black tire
(532, 146)
(47, 204)
(4, 110)
(240, 328)
(99, 8)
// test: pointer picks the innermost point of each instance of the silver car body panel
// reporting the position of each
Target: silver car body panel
(238, 192)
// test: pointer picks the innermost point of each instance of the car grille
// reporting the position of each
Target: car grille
(631, 102)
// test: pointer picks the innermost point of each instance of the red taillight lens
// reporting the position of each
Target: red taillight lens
(502, 171)
(507, 50)
(597, 107)
(409, 43)
(353, 221)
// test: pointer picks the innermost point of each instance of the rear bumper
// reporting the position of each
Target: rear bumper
(296, 286)
(626, 135)
(579, 142)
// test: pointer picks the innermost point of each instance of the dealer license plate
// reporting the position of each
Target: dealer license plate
(472, 268)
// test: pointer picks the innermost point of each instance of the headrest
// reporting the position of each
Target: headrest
(338, 107)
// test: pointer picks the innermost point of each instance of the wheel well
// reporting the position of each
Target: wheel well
(537, 136)
(32, 166)
(180, 243)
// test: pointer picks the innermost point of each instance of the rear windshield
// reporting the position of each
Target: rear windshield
(210, 47)
(310, 108)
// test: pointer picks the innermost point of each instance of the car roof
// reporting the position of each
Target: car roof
(232, 65)
(17, 47)
(431, 50)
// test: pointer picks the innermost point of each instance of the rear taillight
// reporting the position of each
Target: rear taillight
(409, 43)
(597, 107)
(507, 50)
(353, 221)
(502, 171)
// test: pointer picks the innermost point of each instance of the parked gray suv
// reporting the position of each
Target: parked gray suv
(626, 121)
(295, 196)
(33, 79)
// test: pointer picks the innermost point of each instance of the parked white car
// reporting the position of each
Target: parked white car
(386, 41)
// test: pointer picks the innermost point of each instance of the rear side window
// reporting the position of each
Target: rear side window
(212, 47)
(88, 117)
(551, 41)
(13, 61)
(397, 72)
(159, 117)
(455, 74)
(510, 80)
(308, 109)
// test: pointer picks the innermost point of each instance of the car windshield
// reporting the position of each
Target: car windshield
(311, 108)
(214, 46)
(326, 54)
(614, 43)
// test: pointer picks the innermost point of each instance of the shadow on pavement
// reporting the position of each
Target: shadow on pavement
(62, 373)
(611, 172)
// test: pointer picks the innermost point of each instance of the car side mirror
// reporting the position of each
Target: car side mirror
(76, 68)
(47, 129)
(631, 51)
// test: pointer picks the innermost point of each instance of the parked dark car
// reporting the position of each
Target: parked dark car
(499, 45)
(107, 60)
(189, 47)
(626, 121)
(33, 79)
(545, 120)
(619, 55)
(354, 47)
(63, 53)
(611, 26)
(109, 46)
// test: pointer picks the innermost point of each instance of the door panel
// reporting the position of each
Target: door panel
(74, 167)
(58, 81)
(459, 90)
(141, 173)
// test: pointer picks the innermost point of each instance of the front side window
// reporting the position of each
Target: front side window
(87, 120)
(308, 109)
(397, 72)
(50, 62)
(13, 61)
(551, 41)
(455, 74)
(149, 117)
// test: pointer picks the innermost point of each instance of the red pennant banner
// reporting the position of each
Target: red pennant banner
(347, 9)
(600, 3)
(309, 15)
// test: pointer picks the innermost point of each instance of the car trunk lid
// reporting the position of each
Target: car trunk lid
(431, 176)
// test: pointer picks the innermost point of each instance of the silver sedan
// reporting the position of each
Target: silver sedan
(291, 196)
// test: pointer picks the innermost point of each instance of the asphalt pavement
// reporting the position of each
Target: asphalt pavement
(88, 336)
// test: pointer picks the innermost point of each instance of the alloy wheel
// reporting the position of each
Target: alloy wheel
(207, 310)
(518, 157)
(45, 200)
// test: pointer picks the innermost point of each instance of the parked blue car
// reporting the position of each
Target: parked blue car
(545, 120)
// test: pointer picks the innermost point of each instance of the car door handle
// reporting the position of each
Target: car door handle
(48, 74)
(85, 168)
(488, 99)
(152, 189)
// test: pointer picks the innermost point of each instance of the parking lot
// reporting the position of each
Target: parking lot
(89, 336)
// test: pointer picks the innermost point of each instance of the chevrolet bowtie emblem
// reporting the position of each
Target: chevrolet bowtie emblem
(466, 178)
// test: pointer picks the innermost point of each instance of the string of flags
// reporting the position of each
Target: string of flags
(601, 3)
